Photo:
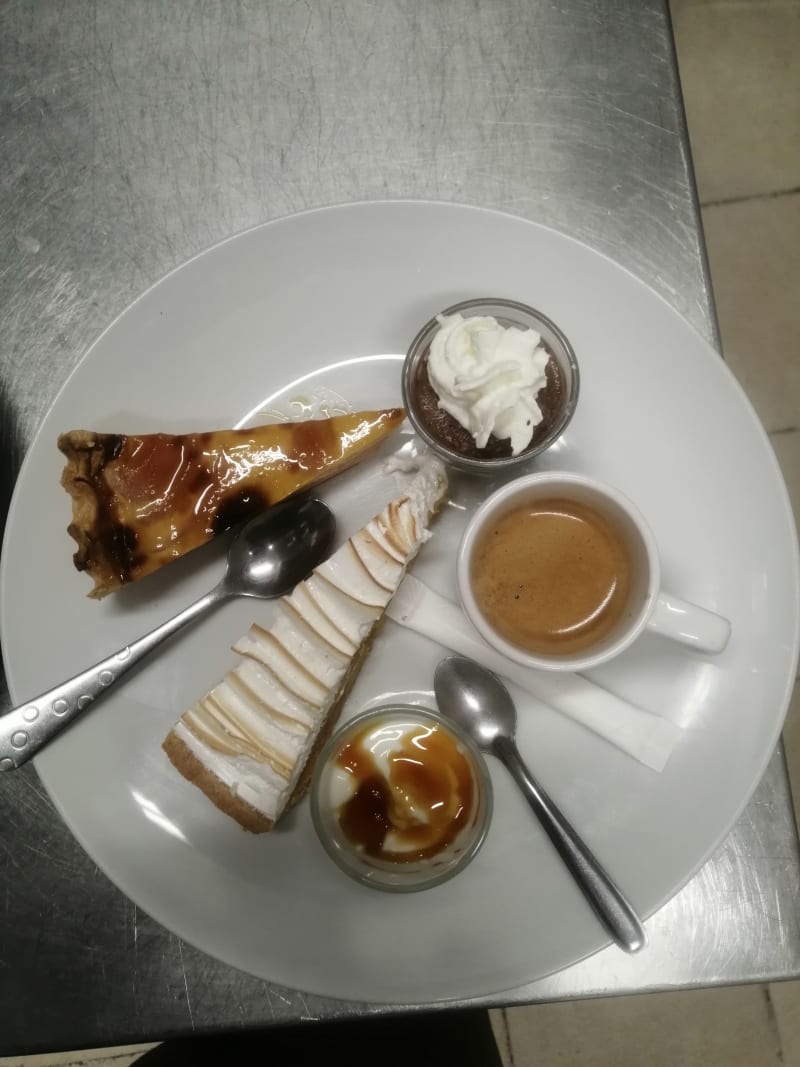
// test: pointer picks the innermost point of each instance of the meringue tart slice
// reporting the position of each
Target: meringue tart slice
(141, 501)
(251, 742)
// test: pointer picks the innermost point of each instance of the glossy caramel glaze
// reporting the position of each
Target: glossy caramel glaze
(414, 807)
(140, 501)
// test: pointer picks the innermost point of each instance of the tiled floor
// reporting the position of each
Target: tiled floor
(741, 76)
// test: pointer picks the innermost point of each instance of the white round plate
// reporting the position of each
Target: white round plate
(319, 306)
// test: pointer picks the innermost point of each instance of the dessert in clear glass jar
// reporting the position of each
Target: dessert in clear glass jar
(490, 384)
(401, 799)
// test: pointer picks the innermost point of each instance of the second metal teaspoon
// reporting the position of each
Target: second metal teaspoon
(268, 557)
(479, 702)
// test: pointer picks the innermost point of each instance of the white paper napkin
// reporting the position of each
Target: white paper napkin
(641, 734)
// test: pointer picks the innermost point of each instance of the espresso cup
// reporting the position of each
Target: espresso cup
(560, 571)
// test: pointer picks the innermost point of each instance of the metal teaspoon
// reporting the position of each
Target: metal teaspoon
(268, 557)
(479, 702)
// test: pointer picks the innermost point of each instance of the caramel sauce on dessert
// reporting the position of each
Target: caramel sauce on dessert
(140, 501)
(552, 576)
(441, 425)
(411, 800)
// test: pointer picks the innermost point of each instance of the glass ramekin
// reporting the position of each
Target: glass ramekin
(392, 876)
(508, 313)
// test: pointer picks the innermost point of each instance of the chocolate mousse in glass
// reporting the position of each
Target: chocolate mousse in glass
(455, 443)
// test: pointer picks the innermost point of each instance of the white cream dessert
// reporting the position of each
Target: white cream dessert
(488, 376)
(402, 787)
(250, 742)
(400, 799)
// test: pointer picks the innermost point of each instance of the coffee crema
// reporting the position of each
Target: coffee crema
(552, 576)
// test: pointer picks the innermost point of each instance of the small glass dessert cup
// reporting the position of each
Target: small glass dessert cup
(452, 441)
(401, 799)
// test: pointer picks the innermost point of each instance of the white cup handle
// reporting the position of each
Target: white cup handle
(689, 624)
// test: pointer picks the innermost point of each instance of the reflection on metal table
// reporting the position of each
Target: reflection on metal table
(134, 137)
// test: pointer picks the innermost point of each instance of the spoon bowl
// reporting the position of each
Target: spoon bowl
(478, 701)
(278, 548)
(267, 558)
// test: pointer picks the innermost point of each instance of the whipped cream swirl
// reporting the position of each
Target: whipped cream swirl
(488, 376)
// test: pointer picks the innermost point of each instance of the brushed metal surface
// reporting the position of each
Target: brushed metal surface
(133, 135)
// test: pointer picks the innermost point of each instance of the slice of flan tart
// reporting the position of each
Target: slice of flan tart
(140, 501)
(250, 742)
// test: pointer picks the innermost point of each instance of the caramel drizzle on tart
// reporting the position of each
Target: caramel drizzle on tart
(141, 501)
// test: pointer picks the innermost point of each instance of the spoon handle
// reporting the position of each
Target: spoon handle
(26, 729)
(605, 898)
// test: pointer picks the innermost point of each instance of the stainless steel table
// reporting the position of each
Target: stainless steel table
(135, 134)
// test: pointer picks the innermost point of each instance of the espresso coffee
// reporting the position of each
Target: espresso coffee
(552, 577)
